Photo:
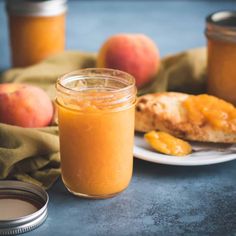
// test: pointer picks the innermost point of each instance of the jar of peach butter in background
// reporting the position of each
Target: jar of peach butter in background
(96, 130)
(221, 35)
(36, 29)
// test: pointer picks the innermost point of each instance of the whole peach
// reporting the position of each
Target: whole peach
(135, 54)
(24, 105)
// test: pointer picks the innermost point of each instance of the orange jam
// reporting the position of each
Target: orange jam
(96, 129)
(204, 109)
(221, 34)
(167, 144)
(36, 30)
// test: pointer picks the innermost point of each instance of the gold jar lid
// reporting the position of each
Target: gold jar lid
(36, 7)
(221, 26)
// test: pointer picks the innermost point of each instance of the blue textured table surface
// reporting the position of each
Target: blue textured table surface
(161, 200)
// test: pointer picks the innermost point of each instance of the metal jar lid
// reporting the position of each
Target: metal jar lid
(23, 207)
(36, 7)
(222, 26)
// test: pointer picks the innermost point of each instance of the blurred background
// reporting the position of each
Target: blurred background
(174, 25)
(161, 200)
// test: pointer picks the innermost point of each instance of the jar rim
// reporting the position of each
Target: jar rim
(223, 19)
(221, 25)
(99, 73)
(36, 7)
(105, 89)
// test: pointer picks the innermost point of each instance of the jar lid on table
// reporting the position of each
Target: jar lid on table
(36, 7)
(221, 25)
(23, 207)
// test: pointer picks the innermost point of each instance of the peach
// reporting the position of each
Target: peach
(24, 105)
(135, 54)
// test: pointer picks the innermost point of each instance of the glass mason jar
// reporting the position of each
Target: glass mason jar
(36, 29)
(96, 109)
(221, 35)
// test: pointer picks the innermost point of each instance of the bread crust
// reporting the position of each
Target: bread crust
(165, 112)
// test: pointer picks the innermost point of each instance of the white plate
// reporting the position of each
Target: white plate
(203, 154)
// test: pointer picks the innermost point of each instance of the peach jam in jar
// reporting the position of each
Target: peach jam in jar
(221, 35)
(96, 129)
(36, 29)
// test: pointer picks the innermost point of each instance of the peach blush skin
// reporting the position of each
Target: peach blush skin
(24, 105)
(135, 54)
(96, 150)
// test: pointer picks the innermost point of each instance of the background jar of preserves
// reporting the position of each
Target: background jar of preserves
(36, 29)
(221, 35)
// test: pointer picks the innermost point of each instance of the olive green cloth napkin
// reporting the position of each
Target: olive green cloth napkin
(182, 72)
(32, 154)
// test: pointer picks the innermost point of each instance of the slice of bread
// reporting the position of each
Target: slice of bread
(166, 112)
